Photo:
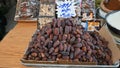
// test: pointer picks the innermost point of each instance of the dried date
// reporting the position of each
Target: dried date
(56, 31)
(78, 45)
(56, 43)
(67, 30)
(61, 47)
(61, 30)
(51, 50)
(64, 39)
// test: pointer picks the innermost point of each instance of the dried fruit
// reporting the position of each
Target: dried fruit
(65, 40)
(51, 50)
(49, 31)
(65, 47)
(71, 55)
(42, 55)
(42, 38)
(61, 30)
(56, 43)
(56, 31)
(56, 50)
(34, 54)
(72, 40)
(64, 37)
(84, 48)
(61, 47)
(78, 45)
(77, 51)
(67, 30)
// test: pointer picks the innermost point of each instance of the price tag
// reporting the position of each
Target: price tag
(65, 9)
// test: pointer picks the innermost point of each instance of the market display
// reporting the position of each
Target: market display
(26, 10)
(65, 39)
(68, 33)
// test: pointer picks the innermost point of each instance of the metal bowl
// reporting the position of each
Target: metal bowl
(101, 13)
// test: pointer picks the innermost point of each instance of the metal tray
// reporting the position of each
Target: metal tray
(47, 65)
(51, 65)
(71, 66)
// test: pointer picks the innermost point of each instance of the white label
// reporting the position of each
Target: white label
(65, 9)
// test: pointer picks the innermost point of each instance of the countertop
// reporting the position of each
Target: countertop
(13, 46)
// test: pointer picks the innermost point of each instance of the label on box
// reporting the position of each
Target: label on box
(91, 26)
(65, 9)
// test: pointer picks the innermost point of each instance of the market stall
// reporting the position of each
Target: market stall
(65, 33)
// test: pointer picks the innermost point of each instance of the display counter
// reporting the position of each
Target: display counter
(13, 46)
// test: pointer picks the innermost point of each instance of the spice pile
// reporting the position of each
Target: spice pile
(64, 39)
(112, 4)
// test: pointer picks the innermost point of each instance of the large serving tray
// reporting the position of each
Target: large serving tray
(112, 46)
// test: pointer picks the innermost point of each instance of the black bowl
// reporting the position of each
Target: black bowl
(112, 28)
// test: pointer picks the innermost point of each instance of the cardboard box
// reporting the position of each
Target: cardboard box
(113, 47)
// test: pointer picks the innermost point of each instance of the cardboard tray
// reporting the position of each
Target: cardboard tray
(104, 33)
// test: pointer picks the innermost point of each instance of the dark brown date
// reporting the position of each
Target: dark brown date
(61, 47)
(77, 51)
(56, 50)
(58, 22)
(34, 54)
(72, 40)
(56, 43)
(51, 50)
(51, 36)
(78, 45)
(71, 55)
(49, 31)
(67, 30)
(55, 38)
(65, 47)
(84, 48)
(42, 38)
(56, 31)
(64, 37)
(60, 37)
(61, 30)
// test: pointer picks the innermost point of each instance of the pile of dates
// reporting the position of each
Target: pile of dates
(64, 39)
